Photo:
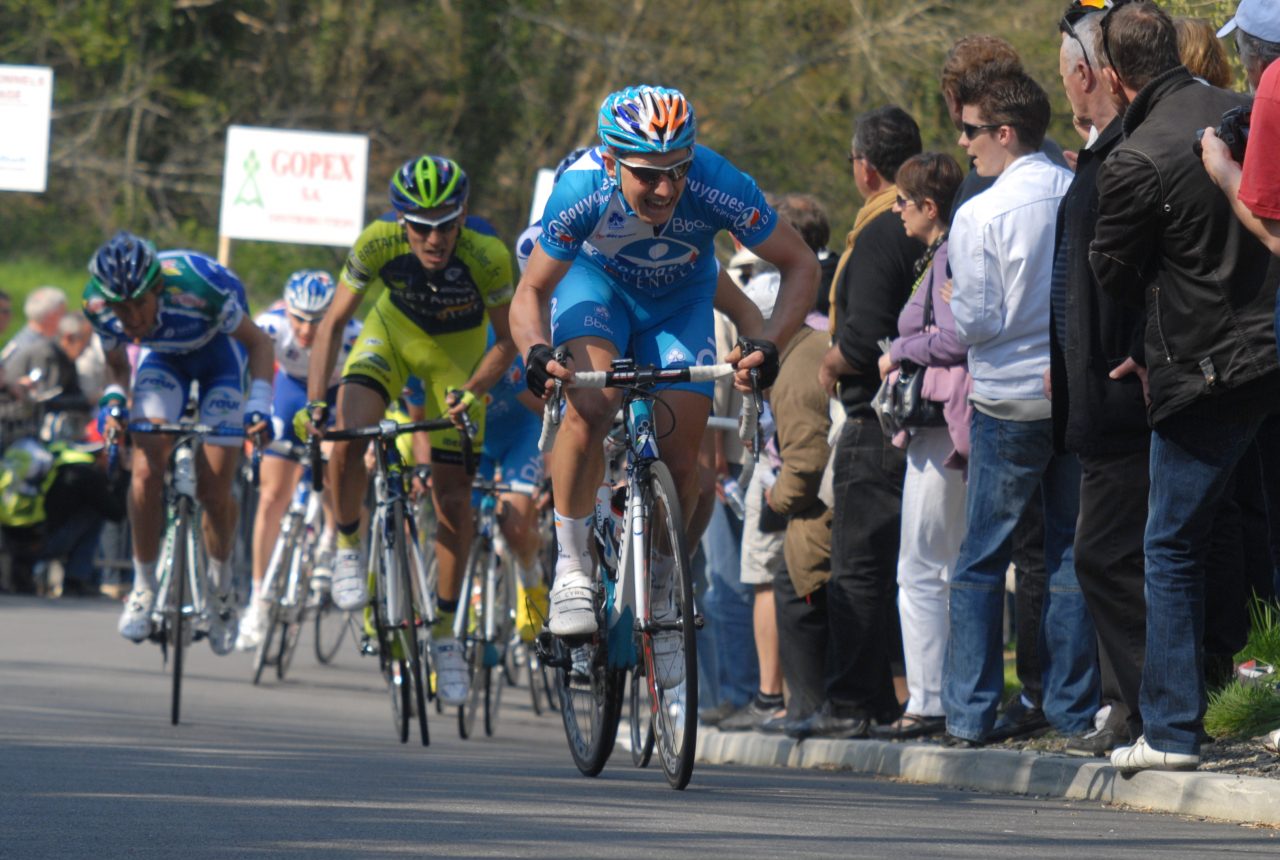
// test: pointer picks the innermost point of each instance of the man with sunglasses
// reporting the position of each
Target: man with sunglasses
(1166, 240)
(627, 249)
(291, 324)
(191, 316)
(444, 285)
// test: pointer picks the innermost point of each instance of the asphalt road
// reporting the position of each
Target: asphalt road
(91, 767)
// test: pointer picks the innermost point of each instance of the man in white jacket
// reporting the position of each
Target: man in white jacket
(1001, 260)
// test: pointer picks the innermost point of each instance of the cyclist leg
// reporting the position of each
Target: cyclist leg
(590, 319)
(372, 377)
(522, 467)
(159, 395)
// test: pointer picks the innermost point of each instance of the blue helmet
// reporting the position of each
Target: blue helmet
(309, 292)
(125, 267)
(427, 183)
(647, 119)
(568, 161)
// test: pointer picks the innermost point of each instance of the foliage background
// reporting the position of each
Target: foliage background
(144, 92)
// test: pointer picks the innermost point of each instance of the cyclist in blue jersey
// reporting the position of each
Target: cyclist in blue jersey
(626, 249)
(191, 315)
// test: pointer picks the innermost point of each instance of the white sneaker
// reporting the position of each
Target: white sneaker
(350, 591)
(252, 627)
(668, 645)
(451, 671)
(573, 610)
(224, 623)
(135, 621)
(1142, 756)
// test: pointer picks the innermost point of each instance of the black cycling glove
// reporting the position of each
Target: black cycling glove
(768, 370)
(535, 368)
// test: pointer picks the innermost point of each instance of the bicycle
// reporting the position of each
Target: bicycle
(486, 631)
(401, 601)
(661, 620)
(181, 604)
(286, 584)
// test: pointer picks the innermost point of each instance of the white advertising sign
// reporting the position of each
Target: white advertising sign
(542, 185)
(293, 186)
(26, 101)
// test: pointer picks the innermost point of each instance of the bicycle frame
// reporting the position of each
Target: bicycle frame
(304, 514)
(388, 488)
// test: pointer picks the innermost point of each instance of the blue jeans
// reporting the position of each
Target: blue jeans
(728, 607)
(1008, 460)
(1193, 455)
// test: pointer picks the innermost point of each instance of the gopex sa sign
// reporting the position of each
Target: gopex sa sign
(293, 186)
(26, 100)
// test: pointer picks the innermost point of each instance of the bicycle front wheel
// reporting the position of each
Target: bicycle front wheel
(671, 659)
(177, 615)
(410, 629)
(330, 629)
(641, 719)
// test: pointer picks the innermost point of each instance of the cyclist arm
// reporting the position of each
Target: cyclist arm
(530, 320)
(798, 267)
(734, 303)
(261, 349)
(324, 349)
(119, 372)
(495, 362)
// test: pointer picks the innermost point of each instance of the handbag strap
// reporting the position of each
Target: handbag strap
(928, 304)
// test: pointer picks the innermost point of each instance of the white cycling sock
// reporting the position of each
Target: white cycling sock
(574, 539)
(220, 575)
(144, 575)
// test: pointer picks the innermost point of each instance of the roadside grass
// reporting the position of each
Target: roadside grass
(1246, 709)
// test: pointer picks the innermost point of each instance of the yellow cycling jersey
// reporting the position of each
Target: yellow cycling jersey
(453, 299)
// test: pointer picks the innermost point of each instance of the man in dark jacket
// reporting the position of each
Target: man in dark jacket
(1166, 237)
(1099, 412)
(872, 282)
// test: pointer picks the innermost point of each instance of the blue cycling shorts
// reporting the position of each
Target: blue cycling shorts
(675, 330)
(220, 368)
(289, 394)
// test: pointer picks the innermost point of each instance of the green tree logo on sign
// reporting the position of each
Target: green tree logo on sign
(249, 194)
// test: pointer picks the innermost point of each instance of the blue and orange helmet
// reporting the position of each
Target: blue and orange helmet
(647, 119)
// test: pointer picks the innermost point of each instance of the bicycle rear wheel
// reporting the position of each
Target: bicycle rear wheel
(178, 561)
(671, 659)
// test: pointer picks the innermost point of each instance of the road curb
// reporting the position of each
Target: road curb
(1243, 799)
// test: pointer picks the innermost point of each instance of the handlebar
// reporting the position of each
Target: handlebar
(386, 429)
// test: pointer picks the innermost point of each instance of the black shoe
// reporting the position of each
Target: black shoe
(957, 743)
(749, 716)
(714, 716)
(828, 722)
(910, 726)
(776, 725)
(1018, 721)
(1096, 742)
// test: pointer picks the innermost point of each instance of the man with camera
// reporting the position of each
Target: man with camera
(1251, 177)
(1167, 240)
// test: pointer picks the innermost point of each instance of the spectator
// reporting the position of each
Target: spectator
(933, 516)
(1254, 188)
(81, 344)
(807, 215)
(1201, 52)
(802, 407)
(1165, 237)
(1001, 256)
(872, 282)
(34, 364)
(763, 548)
(1099, 409)
(52, 505)
(971, 62)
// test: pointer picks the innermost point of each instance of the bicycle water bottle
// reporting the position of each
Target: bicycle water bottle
(733, 496)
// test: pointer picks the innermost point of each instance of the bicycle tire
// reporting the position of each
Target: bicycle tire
(391, 666)
(676, 711)
(178, 594)
(261, 654)
(472, 639)
(641, 720)
(411, 643)
(291, 632)
(328, 618)
(496, 676)
(595, 695)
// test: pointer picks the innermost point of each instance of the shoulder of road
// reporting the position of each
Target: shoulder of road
(1228, 797)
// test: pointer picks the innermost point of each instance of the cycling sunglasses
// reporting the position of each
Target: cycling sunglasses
(651, 176)
(424, 226)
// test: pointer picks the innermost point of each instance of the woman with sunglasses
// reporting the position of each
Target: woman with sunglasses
(627, 249)
(933, 494)
(444, 284)
(291, 323)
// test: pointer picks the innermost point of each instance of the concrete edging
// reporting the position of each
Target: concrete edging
(1244, 799)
